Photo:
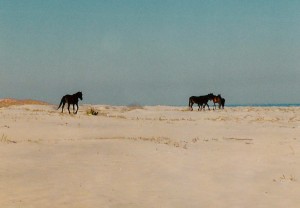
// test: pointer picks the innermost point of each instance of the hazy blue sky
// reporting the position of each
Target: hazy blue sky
(150, 52)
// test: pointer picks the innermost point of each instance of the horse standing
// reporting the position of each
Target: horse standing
(70, 99)
(218, 99)
(200, 100)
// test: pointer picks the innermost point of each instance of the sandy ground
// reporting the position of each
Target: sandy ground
(158, 156)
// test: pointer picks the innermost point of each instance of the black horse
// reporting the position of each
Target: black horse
(70, 99)
(200, 100)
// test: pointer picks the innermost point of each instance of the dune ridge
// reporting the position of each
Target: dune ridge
(6, 102)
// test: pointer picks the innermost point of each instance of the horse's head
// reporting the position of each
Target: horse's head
(79, 94)
(210, 96)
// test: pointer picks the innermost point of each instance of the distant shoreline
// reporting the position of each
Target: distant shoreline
(13, 101)
(264, 105)
(237, 105)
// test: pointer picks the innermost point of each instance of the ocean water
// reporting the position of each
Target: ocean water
(250, 105)
(265, 105)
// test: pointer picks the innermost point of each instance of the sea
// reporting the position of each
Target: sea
(265, 105)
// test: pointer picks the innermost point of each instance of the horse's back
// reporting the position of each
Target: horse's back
(66, 97)
(70, 99)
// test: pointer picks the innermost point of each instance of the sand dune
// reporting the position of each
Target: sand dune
(11, 101)
(151, 156)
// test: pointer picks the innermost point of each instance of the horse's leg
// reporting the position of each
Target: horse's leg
(62, 108)
(76, 108)
(199, 107)
(191, 103)
(69, 108)
(207, 106)
(203, 106)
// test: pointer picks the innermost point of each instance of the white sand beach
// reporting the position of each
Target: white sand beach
(157, 156)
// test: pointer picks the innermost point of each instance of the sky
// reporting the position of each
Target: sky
(150, 52)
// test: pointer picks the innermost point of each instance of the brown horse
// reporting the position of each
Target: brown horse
(217, 99)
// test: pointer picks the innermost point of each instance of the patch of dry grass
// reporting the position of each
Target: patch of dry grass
(284, 178)
(5, 139)
(92, 112)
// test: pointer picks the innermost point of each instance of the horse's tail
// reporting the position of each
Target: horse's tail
(61, 102)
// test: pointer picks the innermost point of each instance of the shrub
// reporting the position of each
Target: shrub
(92, 112)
